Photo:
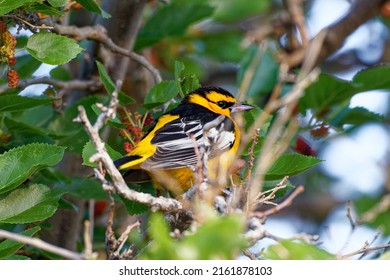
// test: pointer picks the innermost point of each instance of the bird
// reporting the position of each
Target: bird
(167, 156)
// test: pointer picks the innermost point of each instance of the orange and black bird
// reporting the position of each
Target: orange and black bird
(166, 154)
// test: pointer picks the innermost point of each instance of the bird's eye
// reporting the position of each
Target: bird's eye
(222, 104)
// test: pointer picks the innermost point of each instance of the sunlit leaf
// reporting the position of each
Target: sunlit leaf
(29, 204)
(52, 48)
(20, 163)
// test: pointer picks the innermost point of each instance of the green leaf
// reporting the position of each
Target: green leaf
(325, 92)
(57, 3)
(372, 78)
(26, 65)
(160, 93)
(217, 238)
(232, 50)
(171, 20)
(10, 247)
(82, 188)
(265, 72)
(7, 6)
(16, 126)
(179, 67)
(52, 48)
(44, 9)
(29, 204)
(65, 124)
(231, 10)
(163, 246)
(291, 250)
(355, 116)
(290, 165)
(20, 163)
(109, 85)
(89, 150)
(186, 83)
(92, 6)
(12, 102)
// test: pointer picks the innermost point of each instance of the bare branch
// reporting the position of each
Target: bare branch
(99, 33)
(38, 243)
(360, 12)
(364, 250)
(25, 23)
(92, 85)
(287, 202)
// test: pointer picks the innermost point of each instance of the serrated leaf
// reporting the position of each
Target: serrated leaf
(7, 6)
(290, 165)
(92, 6)
(109, 85)
(355, 116)
(10, 247)
(29, 204)
(325, 92)
(185, 83)
(290, 250)
(162, 24)
(12, 102)
(57, 3)
(89, 150)
(372, 78)
(160, 93)
(20, 163)
(52, 48)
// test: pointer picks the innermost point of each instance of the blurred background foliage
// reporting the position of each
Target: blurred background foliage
(344, 121)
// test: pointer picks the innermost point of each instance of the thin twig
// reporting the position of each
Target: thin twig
(99, 33)
(38, 243)
(33, 27)
(364, 250)
(287, 202)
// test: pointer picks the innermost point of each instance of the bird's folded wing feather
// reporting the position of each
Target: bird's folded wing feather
(174, 147)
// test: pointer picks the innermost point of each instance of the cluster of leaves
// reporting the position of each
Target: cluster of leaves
(34, 136)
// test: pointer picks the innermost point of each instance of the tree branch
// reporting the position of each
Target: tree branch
(360, 12)
(38, 243)
(92, 85)
(99, 33)
(280, 206)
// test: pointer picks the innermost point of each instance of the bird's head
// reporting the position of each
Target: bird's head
(216, 99)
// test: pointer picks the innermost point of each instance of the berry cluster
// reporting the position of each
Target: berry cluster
(7, 53)
(133, 132)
